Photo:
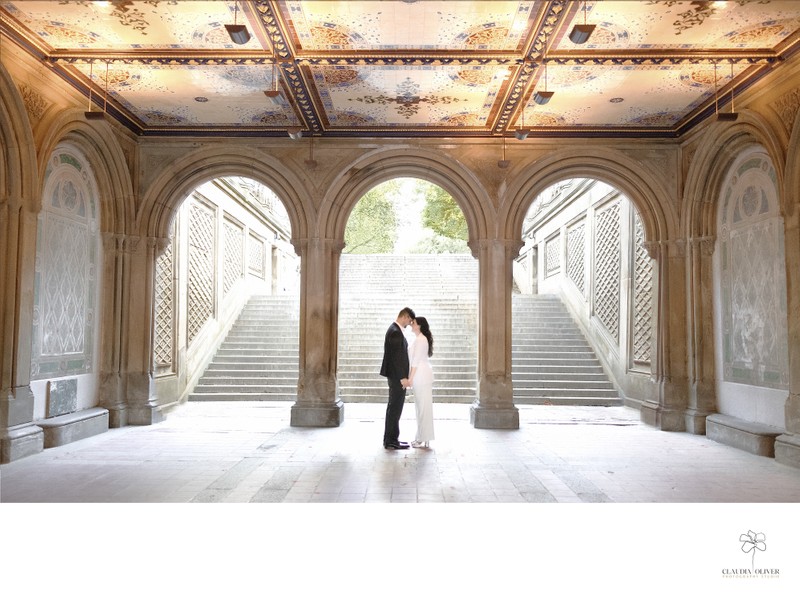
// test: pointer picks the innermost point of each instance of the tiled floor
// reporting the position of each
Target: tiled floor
(240, 453)
(227, 501)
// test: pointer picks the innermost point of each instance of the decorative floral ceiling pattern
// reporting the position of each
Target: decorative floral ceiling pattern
(407, 67)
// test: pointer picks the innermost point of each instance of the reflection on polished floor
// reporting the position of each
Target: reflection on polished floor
(247, 452)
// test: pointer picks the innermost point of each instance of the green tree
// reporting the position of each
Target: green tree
(372, 226)
(442, 214)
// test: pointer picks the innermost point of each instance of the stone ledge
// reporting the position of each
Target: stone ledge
(64, 429)
(752, 437)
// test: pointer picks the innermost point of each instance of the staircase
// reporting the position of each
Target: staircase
(373, 289)
(258, 360)
(551, 361)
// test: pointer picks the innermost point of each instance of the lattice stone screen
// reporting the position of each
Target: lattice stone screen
(753, 280)
(642, 296)
(552, 261)
(165, 310)
(255, 263)
(200, 288)
(65, 279)
(607, 267)
(576, 255)
(234, 255)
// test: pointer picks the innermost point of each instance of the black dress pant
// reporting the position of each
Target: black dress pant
(394, 409)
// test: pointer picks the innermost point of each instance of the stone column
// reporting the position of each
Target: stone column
(317, 403)
(139, 261)
(700, 317)
(19, 437)
(787, 445)
(668, 411)
(494, 407)
(111, 394)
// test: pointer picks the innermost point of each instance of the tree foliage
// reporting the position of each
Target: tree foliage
(372, 226)
(443, 215)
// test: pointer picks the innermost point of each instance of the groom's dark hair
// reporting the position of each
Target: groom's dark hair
(406, 311)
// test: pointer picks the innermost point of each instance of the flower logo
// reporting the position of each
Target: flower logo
(752, 541)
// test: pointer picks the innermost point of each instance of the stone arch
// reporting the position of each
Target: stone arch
(381, 166)
(98, 143)
(613, 168)
(178, 179)
(18, 176)
(722, 143)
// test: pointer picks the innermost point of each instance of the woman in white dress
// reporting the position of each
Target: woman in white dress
(421, 380)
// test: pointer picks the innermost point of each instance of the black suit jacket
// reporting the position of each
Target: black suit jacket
(395, 354)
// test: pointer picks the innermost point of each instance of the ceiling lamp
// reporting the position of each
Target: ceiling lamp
(238, 33)
(273, 92)
(522, 132)
(92, 114)
(581, 33)
(503, 163)
(295, 133)
(310, 162)
(724, 116)
(543, 97)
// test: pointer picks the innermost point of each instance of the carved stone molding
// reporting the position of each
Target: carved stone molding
(112, 242)
(35, 104)
(130, 244)
(705, 244)
(787, 106)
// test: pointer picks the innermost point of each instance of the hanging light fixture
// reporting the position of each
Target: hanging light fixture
(310, 162)
(273, 92)
(581, 33)
(237, 33)
(522, 132)
(732, 115)
(295, 133)
(503, 163)
(90, 113)
(543, 96)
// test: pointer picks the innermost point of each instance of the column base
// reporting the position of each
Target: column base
(787, 449)
(144, 415)
(317, 416)
(21, 441)
(493, 418)
(695, 421)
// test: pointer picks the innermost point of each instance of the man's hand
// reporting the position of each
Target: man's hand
(405, 382)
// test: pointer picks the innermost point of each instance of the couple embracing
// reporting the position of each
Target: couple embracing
(407, 367)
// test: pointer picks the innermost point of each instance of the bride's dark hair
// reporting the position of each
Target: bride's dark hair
(426, 331)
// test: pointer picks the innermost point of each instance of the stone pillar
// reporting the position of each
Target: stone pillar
(19, 437)
(139, 261)
(494, 407)
(317, 403)
(111, 394)
(668, 411)
(700, 317)
(787, 445)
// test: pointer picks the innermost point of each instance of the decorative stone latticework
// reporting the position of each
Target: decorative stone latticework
(233, 269)
(607, 267)
(576, 255)
(642, 296)
(164, 342)
(201, 268)
(66, 270)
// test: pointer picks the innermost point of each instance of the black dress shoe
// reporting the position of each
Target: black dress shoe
(395, 445)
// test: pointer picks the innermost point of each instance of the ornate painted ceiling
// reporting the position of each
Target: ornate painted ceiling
(408, 67)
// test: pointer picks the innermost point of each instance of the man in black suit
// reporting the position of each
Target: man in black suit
(395, 369)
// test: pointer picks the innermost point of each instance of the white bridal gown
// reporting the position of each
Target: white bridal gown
(423, 387)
